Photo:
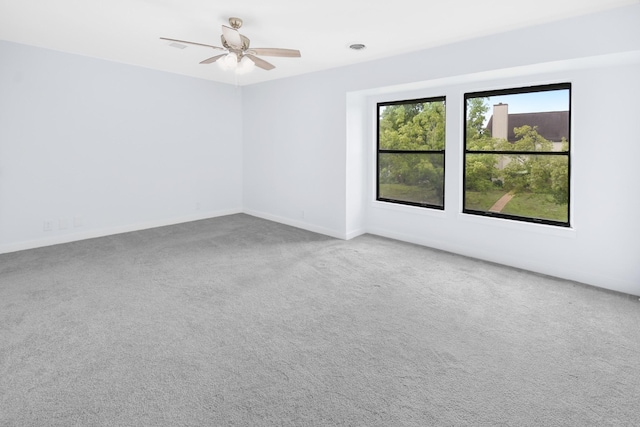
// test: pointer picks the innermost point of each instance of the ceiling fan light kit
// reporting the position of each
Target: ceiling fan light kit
(237, 55)
(241, 65)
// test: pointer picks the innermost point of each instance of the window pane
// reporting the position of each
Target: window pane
(411, 126)
(517, 145)
(529, 121)
(531, 186)
(411, 177)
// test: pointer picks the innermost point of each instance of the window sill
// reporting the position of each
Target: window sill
(415, 210)
(529, 227)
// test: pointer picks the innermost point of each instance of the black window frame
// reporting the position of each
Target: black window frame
(514, 91)
(379, 151)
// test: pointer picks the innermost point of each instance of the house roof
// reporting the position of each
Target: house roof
(552, 125)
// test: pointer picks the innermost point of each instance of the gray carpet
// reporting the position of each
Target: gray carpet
(238, 321)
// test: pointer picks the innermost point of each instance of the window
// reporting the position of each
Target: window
(517, 154)
(411, 143)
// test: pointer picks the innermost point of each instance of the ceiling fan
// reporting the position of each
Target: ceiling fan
(236, 48)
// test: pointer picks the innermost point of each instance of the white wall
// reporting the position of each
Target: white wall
(312, 149)
(295, 162)
(109, 147)
(123, 148)
(602, 246)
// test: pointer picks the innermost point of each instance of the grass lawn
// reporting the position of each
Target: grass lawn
(537, 206)
(410, 193)
(530, 205)
(480, 201)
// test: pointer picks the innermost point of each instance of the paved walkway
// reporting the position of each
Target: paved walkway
(501, 203)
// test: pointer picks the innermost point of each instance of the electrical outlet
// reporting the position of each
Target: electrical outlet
(77, 221)
(48, 225)
(63, 223)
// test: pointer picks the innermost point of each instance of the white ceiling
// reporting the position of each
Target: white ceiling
(128, 31)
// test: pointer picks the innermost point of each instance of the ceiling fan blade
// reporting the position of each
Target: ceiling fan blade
(268, 51)
(232, 37)
(260, 62)
(213, 59)
(197, 44)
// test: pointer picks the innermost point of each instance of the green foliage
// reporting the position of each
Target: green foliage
(413, 126)
(480, 170)
(560, 180)
(537, 174)
(476, 110)
(527, 139)
(516, 173)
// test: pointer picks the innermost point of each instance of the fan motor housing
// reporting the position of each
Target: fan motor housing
(245, 43)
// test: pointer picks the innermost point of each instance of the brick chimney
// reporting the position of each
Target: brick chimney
(500, 122)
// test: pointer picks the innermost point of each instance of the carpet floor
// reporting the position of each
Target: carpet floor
(239, 321)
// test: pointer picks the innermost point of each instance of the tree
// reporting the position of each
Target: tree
(541, 174)
(476, 111)
(412, 126)
(560, 177)
(480, 169)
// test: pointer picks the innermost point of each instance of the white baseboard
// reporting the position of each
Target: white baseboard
(617, 284)
(298, 224)
(109, 231)
(355, 233)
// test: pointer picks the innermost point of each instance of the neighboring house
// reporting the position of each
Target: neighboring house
(552, 125)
